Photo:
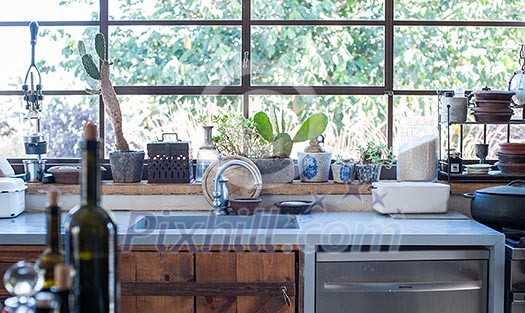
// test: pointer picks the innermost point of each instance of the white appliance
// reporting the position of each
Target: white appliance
(12, 196)
(410, 197)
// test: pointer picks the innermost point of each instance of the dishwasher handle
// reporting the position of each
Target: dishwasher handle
(402, 287)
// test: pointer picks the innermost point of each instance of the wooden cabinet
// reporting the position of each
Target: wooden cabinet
(209, 282)
(205, 281)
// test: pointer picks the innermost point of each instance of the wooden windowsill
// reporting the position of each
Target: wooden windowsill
(295, 188)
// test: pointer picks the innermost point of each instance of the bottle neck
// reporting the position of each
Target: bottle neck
(90, 173)
(53, 228)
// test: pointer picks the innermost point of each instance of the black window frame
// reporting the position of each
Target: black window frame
(246, 89)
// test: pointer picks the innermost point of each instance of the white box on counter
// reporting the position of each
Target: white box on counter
(12, 196)
(410, 197)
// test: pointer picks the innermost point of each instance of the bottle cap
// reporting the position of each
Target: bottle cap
(64, 275)
(90, 132)
(52, 197)
(45, 300)
(459, 92)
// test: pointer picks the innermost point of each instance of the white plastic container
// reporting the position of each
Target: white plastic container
(410, 197)
(12, 197)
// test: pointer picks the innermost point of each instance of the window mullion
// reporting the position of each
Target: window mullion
(246, 55)
(104, 28)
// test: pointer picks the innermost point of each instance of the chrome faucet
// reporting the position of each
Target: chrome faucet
(220, 191)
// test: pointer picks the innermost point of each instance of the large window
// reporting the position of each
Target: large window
(373, 66)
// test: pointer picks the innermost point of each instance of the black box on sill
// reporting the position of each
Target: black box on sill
(170, 161)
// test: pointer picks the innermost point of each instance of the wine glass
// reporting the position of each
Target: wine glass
(23, 279)
(482, 150)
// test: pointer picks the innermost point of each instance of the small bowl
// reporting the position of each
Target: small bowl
(511, 158)
(492, 117)
(511, 168)
(244, 206)
(295, 206)
(511, 148)
(498, 95)
(492, 105)
(488, 109)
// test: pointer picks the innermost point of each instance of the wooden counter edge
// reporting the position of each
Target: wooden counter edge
(294, 188)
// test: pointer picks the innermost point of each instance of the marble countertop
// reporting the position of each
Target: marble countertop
(316, 229)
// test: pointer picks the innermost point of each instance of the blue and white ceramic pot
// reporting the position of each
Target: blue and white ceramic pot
(343, 173)
(368, 173)
(314, 167)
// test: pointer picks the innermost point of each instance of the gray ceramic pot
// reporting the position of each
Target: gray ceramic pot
(275, 170)
(126, 167)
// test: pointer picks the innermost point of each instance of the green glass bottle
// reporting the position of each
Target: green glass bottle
(53, 253)
(91, 238)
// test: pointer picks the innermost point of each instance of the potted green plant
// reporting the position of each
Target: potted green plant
(373, 157)
(342, 170)
(126, 165)
(237, 135)
(282, 142)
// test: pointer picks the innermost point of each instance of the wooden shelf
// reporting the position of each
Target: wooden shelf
(143, 188)
(295, 188)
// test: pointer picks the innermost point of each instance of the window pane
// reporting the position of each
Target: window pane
(317, 10)
(146, 118)
(353, 120)
(63, 128)
(197, 55)
(414, 117)
(49, 10)
(175, 9)
(444, 57)
(55, 54)
(512, 10)
(315, 55)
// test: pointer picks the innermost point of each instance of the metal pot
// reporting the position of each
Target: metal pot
(501, 206)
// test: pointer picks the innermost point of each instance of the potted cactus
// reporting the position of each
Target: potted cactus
(280, 162)
(126, 165)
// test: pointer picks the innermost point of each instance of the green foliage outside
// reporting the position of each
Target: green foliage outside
(425, 58)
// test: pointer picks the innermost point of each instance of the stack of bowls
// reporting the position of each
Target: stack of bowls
(492, 106)
(511, 158)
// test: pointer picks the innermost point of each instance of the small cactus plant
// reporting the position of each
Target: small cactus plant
(282, 142)
(100, 83)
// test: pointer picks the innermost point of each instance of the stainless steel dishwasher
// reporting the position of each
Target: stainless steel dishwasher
(404, 281)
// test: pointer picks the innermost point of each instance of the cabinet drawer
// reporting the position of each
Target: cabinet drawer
(454, 286)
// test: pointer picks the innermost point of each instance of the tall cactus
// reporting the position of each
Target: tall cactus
(105, 87)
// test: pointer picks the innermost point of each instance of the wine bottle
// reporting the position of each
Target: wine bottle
(91, 238)
(64, 275)
(53, 253)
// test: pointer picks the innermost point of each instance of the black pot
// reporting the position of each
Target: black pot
(499, 207)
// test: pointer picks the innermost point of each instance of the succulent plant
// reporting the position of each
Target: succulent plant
(374, 153)
(100, 83)
(282, 141)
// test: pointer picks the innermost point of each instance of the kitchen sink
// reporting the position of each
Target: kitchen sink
(258, 221)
